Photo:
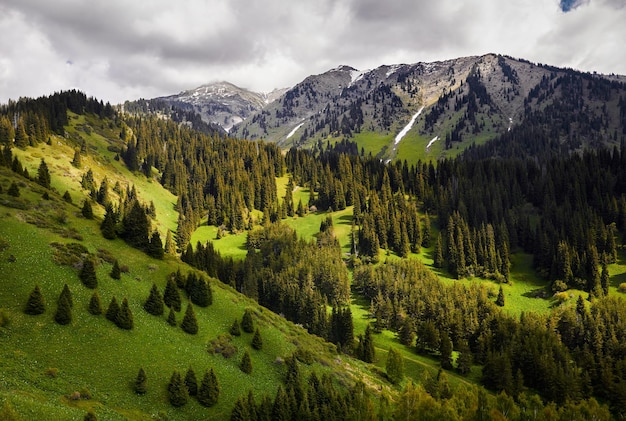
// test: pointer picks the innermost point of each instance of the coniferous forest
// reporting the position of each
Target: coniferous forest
(467, 215)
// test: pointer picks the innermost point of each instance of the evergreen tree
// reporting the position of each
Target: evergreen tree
(90, 416)
(445, 349)
(155, 246)
(63, 316)
(67, 294)
(136, 227)
(140, 382)
(171, 317)
(246, 363)
(464, 358)
(368, 352)
(35, 304)
(113, 310)
(247, 325)
(124, 318)
(77, 160)
(189, 323)
(191, 382)
(395, 366)
(14, 190)
(209, 391)
(154, 304)
(102, 196)
(67, 197)
(605, 279)
(95, 307)
(241, 410)
(43, 175)
(500, 299)
(426, 231)
(234, 328)
(280, 409)
(116, 271)
(87, 210)
(170, 245)
(87, 274)
(257, 341)
(108, 226)
(438, 260)
(177, 391)
(171, 296)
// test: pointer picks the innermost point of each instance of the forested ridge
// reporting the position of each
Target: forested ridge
(568, 211)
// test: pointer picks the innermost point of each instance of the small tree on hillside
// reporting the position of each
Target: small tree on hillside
(87, 210)
(77, 161)
(87, 274)
(177, 391)
(140, 385)
(154, 304)
(109, 223)
(171, 296)
(14, 190)
(395, 366)
(90, 416)
(500, 299)
(43, 175)
(190, 323)
(191, 382)
(124, 318)
(63, 316)
(257, 341)
(155, 246)
(116, 271)
(67, 294)
(67, 197)
(209, 391)
(247, 325)
(246, 363)
(95, 307)
(113, 310)
(234, 328)
(171, 317)
(35, 304)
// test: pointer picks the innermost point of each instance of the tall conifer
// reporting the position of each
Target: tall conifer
(35, 304)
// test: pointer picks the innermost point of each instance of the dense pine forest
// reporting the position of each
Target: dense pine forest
(516, 195)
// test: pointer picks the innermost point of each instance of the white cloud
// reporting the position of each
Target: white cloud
(125, 50)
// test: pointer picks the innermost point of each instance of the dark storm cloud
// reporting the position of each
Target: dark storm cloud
(123, 50)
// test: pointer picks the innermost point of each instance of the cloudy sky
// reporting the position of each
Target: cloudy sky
(119, 49)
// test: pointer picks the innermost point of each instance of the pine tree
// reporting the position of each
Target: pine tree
(170, 245)
(257, 341)
(247, 325)
(426, 231)
(43, 175)
(124, 318)
(189, 323)
(155, 246)
(154, 304)
(35, 304)
(445, 349)
(395, 366)
(140, 382)
(438, 260)
(95, 307)
(77, 161)
(280, 409)
(67, 294)
(191, 382)
(605, 279)
(241, 410)
(67, 197)
(171, 317)
(87, 210)
(113, 310)
(109, 223)
(171, 296)
(234, 328)
(464, 359)
(246, 363)
(368, 352)
(14, 190)
(209, 391)
(500, 299)
(63, 316)
(87, 274)
(177, 391)
(116, 271)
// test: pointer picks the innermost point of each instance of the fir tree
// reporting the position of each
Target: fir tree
(113, 310)
(67, 294)
(257, 341)
(605, 279)
(438, 261)
(154, 304)
(116, 271)
(234, 328)
(43, 175)
(77, 161)
(366, 346)
(95, 307)
(171, 296)
(191, 382)
(209, 391)
(109, 223)
(500, 299)
(140, 385)
(464, 359)
(445, 349)
(241, 410)
(63, 316)
(247, 325)
(170, 245)
(67, 197)
(87, 274)
(87, 210)
(171, 317)
(14, 190)
(155, 246)
(246, 363)
(280, 409)
(189, 323)
(395, 366)
(177, 391)
(124, 318)
(35, 304)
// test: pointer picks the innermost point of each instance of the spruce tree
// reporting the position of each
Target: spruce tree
(189, 323)
(124, 318)
(87, 210)
(171, 296)
(395, 366)
(154, 304)
(67, 197)
(177, 391)
(234, 328)
(140, 382)
(43, 175)
(605, 279)
(109, 223)
(241, 410)
(171, 317)
(257, 341)
(113, 310)
(95, 307)
(116, 271)
(191, 382)
(209, 391)
(63, 316)
(87, 274)
(500, 299)
(368, 352)
(67, 294)
(464, 359)
(35, 304)
(247, 325)
(77, 161)
(170, 245)
(14, 190)
(445, 349)
(246, 363)
(155, 246)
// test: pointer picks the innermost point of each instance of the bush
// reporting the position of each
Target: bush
(223, 344)
(622, 287)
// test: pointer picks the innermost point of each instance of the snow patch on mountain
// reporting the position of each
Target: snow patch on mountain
(295, 129)
(433, 140)
(408, 127)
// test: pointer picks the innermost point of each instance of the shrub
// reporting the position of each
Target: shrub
(246, 363)
(223, 345)
(622, 287)
(140, 382)
(247, 325)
